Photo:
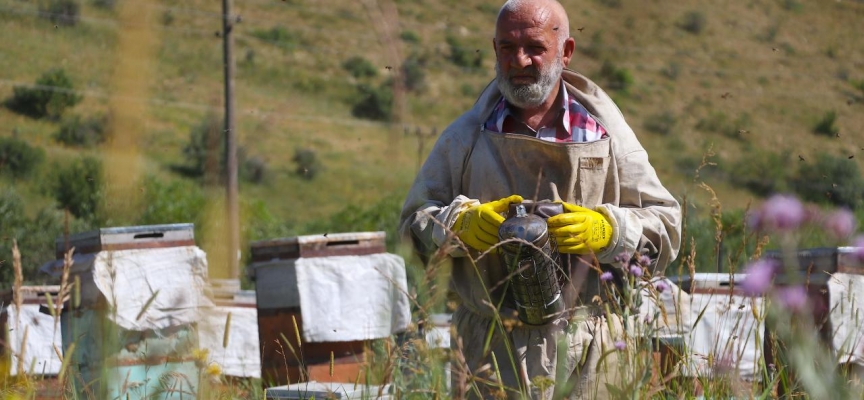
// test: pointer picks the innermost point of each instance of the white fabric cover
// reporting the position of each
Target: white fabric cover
(728, 332)
(242, 357)
(667, 312)
(348, 298)
(847, 319)
(39, 353)
(128, 279)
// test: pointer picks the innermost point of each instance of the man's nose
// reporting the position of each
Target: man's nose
(521, 59)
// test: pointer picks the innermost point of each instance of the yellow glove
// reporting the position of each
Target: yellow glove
(579, 230)
(478, 225)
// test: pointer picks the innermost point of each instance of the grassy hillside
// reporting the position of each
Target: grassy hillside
(747, 81)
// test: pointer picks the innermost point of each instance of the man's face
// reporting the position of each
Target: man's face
(529, 57)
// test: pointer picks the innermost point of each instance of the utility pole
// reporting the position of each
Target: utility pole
(231, 188)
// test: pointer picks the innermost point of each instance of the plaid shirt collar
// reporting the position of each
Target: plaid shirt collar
(574, 123)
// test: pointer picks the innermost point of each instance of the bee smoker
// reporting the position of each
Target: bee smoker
(535, 283)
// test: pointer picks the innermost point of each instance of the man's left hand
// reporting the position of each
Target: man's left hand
(580, 230)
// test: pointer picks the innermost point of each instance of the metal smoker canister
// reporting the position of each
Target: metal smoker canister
(535, 284)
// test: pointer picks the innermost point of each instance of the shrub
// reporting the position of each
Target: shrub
(672, 70)
(832, 180)
(49, 97)
(17, 158)
(410, 37)
(413, 73)
(694, 22)
(618, 79)
(35, 237)
(661, 123)
(61, 12)
(280, 36)
(82, 132)
(373, 103)
(462, 55)
(827, 125)
(106, 4)
(306, 161)
(763, 173)
(204, 152)
(360, 67)
(171, 201)
(78, 186)
(253, 169)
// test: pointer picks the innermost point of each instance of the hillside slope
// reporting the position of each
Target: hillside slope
(746, 81)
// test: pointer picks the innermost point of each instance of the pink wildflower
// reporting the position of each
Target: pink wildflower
(661, 286)
(620, 345)
(635, 270)
(606, 276)
(840, 223)
(859, 247)
(780, 213)
(758, 278)
(793, 298)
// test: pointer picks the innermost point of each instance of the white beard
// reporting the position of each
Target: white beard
(532, 94)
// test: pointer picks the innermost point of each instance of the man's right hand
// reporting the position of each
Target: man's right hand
(478, 225)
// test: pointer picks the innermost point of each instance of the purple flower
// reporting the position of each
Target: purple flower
(780, 213)
(622, 258)
(793, 298)
(859, 247)
(758, 278)
(635, 270)
(620, 345)
(606, 276)
(840, 223)
(644, 260)
(661, 286)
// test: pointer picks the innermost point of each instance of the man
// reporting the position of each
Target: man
(539, 131)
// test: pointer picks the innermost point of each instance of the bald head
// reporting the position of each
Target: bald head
(549, 14)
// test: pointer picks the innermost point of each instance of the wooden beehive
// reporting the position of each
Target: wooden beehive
(279, 308)
(125, 238)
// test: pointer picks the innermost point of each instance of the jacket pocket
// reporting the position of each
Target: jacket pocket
(592, 179)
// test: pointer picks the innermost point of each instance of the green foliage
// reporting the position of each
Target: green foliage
(307, 164)
(61, 12)
(18, 158)
(35, 237)
(82, 132)
(106, 4)
(374, 103)
(77, 186)
(52, 94)
(832, 180)
(762, 172)
(719, 122)
(487, 8)
(171, 202)
(414, 73)
(793, 5)
(827, 124)
(463, 56)
(410, 37)
(859, 84)
(204, 151)
(360, 67)
(618, 79)
(694, 22)
(281, 37)
(661, 123)
(380, 216)
(253, 169)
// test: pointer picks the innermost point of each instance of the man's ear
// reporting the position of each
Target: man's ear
(569, 48)
(495, 47)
